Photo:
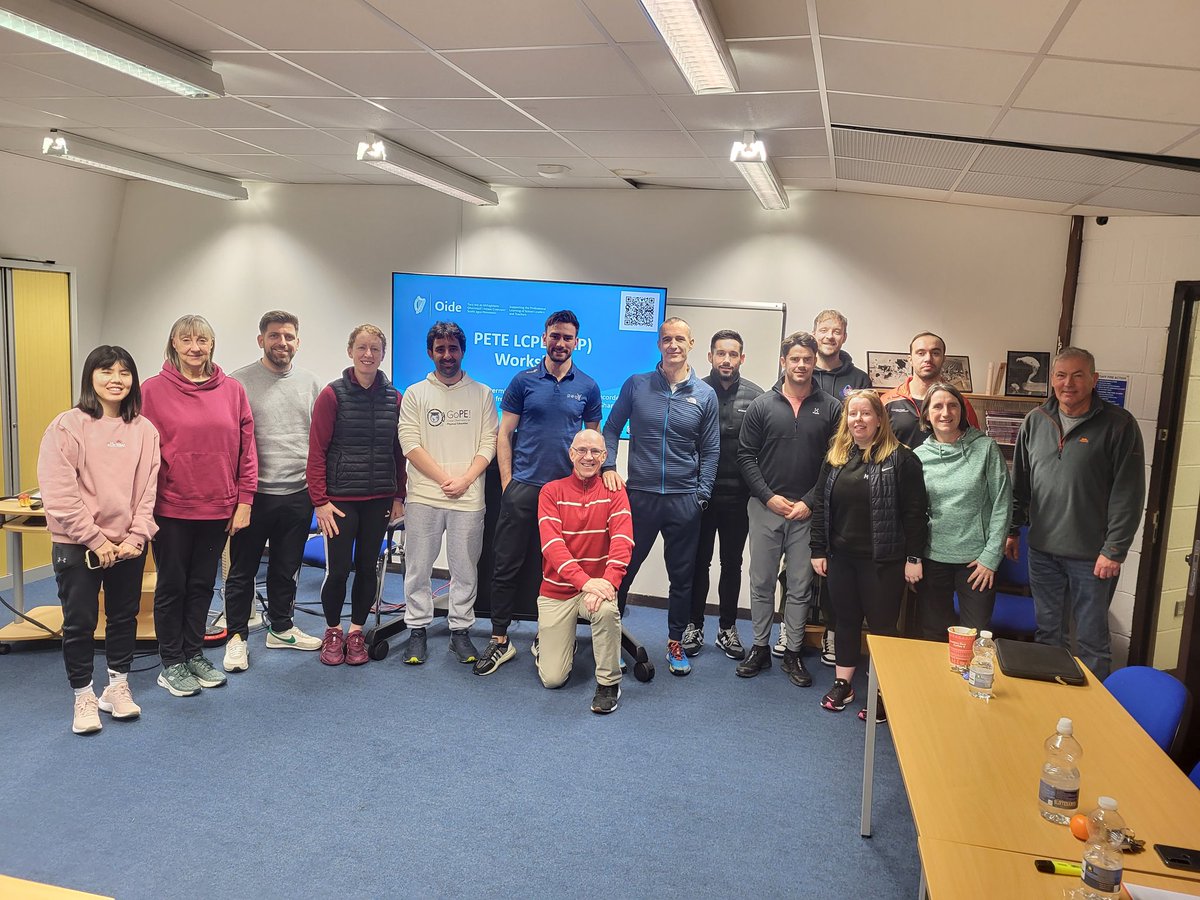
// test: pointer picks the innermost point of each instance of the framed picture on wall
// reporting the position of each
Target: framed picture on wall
(1027, 374)
(887, 368)
(957, 371)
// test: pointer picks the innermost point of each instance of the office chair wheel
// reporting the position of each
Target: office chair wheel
(643, 671)
(378, 650)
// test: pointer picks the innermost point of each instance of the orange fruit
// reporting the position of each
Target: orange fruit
(1079, 823)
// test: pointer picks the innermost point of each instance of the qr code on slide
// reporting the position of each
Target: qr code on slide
(639, 311)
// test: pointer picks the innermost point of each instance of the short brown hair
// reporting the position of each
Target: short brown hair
(277, 317)
(369, 329)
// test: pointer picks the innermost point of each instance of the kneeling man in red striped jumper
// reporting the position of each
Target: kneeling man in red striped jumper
(587, 541)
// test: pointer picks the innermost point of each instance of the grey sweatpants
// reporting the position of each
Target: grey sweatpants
(423, 529)
(772, 538)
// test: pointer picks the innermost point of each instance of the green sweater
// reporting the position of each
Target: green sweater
(970, 499)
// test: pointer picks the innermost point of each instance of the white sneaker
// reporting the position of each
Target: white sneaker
(237, 655)
(781, 644)
(292, 639)
(828, 657)
(87, 714)
(118, 701)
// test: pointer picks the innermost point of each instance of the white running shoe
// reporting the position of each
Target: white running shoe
(292, 639)
(237, 655)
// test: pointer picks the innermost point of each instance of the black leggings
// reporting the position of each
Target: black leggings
(187, 553)
(861, 588)
(356, 545)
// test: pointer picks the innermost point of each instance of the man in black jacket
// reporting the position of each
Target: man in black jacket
(784, 438)
(726, 513)
(835, 373)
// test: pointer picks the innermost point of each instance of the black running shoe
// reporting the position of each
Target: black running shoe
(416, 651)
(839, 695)
(461, 646)
(758, 660)
(793, 667)
(494, 656)
(606, 698)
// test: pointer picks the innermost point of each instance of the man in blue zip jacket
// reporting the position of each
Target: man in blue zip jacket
(674, 444)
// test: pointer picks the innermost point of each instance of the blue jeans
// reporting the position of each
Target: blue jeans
(1055, 580)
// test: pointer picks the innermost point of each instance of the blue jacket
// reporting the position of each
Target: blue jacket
(674, 437)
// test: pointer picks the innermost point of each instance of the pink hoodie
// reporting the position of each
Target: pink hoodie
(209, 462)
(98, 479)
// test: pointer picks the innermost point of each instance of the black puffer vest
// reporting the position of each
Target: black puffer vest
(887, 527)
(360, 461)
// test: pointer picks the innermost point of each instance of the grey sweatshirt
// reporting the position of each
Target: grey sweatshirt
(282, 407)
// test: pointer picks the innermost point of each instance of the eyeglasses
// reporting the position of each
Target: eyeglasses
(587, 451)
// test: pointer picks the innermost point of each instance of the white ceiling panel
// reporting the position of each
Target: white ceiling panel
(1109, 89)
(891, 173)
(663, 182)
(784, 65)
(184, 139)
(600, 114)
(891, 190)
(1029, 188)
(1134, 199)
(339, 113)
(580, 166)
(596, 71)
(1020, 25)
(643, 144)
(1155, 32)
(654, 63)
(694, 167)
(926, 73)
(1087, 132)
(512, 143)
(419, 140)
(780, 142)
(803, 167)
(173, 24)
(775, 18)
(282, 25)
(900, 148)
(623, 21)
(1049, 207)
(208, 165)
(292, 141)
(911, 115)
(1076, 167)
(14, 114)
(758, 111)
(221, 112)
(61, 74)
(342, 163)
(1158, 178)
(399, 74)
(264, 75)
(106, 113)
(1189, 149)
(483, 169)
(466, 24)
(463, 115)
(127, 140)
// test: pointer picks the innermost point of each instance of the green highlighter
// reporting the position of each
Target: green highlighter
(1058, 867)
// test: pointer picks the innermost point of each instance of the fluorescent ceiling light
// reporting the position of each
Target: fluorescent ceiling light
(690, 30)
(106, 157)
(110, 42)
(750, 157)
(391, 157)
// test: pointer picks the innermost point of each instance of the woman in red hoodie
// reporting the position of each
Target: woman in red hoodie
(205, 487)
(98, 474)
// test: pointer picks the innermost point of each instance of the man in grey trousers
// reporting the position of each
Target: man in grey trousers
(784, 437)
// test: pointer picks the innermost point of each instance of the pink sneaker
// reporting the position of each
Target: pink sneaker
(356, 649)
(333, 647)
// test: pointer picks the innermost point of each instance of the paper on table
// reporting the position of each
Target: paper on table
(1138, 892)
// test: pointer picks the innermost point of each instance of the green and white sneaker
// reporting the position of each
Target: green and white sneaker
(179, 681)
(204, 671)
(292, 639)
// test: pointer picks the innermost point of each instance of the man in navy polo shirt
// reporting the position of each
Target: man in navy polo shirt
(541, 412)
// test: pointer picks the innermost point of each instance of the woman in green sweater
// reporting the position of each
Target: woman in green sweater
(970, 501)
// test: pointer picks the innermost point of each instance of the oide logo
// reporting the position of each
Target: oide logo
(418, 304)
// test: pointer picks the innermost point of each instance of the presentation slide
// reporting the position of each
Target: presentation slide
(504, 320)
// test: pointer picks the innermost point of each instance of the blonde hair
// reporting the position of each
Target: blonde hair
(883, 445)
(369, 329)
(196, 326)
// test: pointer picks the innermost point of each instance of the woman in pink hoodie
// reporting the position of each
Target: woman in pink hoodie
(98, 474)
(205, 487)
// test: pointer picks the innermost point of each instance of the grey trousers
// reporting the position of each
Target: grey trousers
(423, 529)
(773, 538)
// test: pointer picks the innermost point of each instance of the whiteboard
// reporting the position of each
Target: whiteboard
(760, 325)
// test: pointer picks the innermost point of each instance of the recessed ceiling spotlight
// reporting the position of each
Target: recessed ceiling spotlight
(552, 170)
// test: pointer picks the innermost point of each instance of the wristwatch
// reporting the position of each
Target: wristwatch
(913, 559)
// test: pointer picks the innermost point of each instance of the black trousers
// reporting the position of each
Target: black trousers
(727, 518)
(677, 518)
(355, 546)
(935, 600)
(283, 520)
(79, 593)
(517, 545)
(187, 553)
(863, 588)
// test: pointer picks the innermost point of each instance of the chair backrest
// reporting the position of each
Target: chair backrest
(1016, 573)
(1195, 776)
(1156, 700)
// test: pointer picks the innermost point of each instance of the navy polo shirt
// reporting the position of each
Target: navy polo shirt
(551, 412)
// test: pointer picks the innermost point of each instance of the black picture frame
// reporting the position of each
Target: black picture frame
(1027, 374)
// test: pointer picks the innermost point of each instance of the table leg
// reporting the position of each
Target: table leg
(869, 751)
(923, 887)
(17, 567)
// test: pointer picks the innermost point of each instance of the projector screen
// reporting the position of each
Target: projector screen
(504, 319)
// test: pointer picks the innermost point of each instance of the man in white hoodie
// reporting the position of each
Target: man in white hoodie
(448, 435)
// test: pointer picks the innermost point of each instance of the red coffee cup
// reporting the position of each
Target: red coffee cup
(962, 643)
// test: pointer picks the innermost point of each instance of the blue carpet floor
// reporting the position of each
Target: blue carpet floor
(297, 780)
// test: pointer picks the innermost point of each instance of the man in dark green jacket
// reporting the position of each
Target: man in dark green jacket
(1079, 483)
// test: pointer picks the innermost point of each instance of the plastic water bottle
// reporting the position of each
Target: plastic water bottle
(982, 673)
(1102, 862)
(1058, 792)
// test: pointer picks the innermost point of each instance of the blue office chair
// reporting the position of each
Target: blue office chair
(1159, 702)
(1013, 615)
(1195, 776)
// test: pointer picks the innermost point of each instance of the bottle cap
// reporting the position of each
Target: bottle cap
(1107, 803)
(1065, 726)
(986, 635)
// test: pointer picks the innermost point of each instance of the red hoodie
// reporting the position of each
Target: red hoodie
(206, 430)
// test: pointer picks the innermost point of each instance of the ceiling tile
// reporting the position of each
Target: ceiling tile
(642, 144)
(127, 140)
(653, 61)
(891, 190)
(901, 148)
(1151, 201)
(172, 23)
(781, 18)
(810, 184)
(1049, 164)
(1087, 132)
(1029, 188)
(483, 169)
(580, 167)
(587, 183)
(263, 75)
(1189, 149)
(911, 115)
(292, 141)
(107, 113)
(1163, 178)
(1021, 25)
(465, 24)
(657, 182)
(740, 111)
(1156, 32)
(598, 71)
(512, 143)
(207, 164)
(19, 115)
(61, 74)
(801, 167)
(780, 142)
(890, 173)
(222, 112)
(282, 25)
(191, 140)
(421, 141)
(623, 21)
(466, 115)
(342, 163)
(694, 167)
(923, 73)
(389, 74)
(1049, 207)
(1132, 92)
(600, 114)
(785, 65)
(339, 113)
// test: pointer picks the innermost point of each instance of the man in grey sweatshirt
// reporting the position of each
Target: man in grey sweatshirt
(1079, 483)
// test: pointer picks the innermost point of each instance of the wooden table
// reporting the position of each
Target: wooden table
(958, 870)
(971, 767)
(18, 889)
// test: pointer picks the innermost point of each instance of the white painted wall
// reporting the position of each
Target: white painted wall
(1123, 309)
(988, 280)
